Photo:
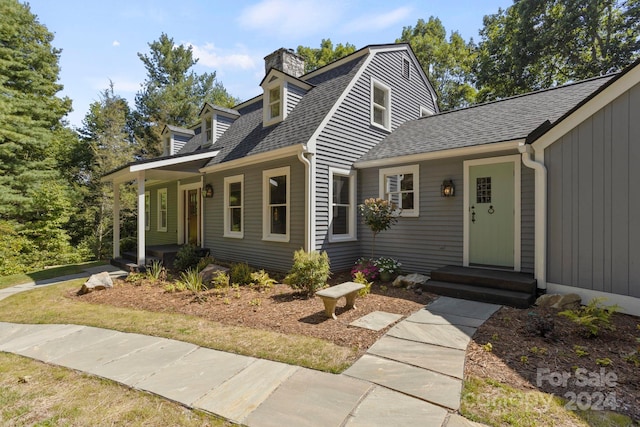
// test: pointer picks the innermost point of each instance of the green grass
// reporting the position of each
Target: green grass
(496, 404)
(49, 305)
(34, 393)
(49, 273)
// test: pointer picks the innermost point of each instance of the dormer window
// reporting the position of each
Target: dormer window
(208, 124)
(275, 103)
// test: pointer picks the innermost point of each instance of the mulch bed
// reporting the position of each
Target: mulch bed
(520, 355)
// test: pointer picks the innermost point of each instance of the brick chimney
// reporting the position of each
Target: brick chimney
(285, 60)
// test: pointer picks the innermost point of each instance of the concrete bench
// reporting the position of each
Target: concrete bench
(330, 296)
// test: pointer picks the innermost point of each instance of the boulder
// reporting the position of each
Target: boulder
(97, 282)
(210, 270)
(560, 302)
(410, 281)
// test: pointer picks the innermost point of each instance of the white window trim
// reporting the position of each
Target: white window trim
(266, 116)
(159, 202)
(413, 169)
(212, 119)
(266, 212)
(351, 174)
(147, 210)
(378, 84)
(227, 217)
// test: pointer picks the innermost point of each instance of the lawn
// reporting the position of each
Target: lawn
(49, 273)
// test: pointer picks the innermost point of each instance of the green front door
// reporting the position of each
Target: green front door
(491, 215)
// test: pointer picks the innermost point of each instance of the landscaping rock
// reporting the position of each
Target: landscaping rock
(210, 270)
(411, 281)
(561, 302)
(97, 282)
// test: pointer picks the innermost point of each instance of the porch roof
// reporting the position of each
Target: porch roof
(162, 168)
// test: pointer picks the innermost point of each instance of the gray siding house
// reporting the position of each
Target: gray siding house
(540, 184)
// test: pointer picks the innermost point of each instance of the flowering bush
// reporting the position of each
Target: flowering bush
(379, 215)
(367, 267)
(388, 265)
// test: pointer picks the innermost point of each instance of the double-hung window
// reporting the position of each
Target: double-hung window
(208, 124)
(342, 200)
(162, 209)
(401, 187)
(380, 104)
(276, 204)
(233, 206)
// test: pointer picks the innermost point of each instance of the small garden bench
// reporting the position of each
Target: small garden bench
(330, 296)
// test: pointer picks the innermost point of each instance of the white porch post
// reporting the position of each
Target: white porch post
(142, 249)
(116, 220)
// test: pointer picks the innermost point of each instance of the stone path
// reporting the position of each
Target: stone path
(411, 376)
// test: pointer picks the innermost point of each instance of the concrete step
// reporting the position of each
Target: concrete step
(496, 279)
(125, 264)
(478, 293)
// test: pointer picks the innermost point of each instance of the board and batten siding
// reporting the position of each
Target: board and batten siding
(349, 134)
(593, 234)
(251, 248)
(153, 236)
(435, 238)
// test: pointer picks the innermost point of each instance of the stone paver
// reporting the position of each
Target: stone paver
(243, 393)
(456, 420)
(37, 335)
(425, 316)
(461, 307)
(192, 376)
(54, 349)
(310, 398)
(443, 335)
(384, 407)
(445, 360)
(421, 383)
(140, 364)
(376, 320)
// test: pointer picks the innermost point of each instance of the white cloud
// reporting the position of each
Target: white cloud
(210, 56)
(380, 21)
(115, 43)
(291, 18)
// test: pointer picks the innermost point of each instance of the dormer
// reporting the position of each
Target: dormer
(282, 88)
(215, 121)
(174, 138)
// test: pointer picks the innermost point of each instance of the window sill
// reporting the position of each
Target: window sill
(232, 235)
(342, 238)
(379, 126)
(276, 238)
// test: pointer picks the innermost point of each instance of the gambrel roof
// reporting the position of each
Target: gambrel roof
(508, 119)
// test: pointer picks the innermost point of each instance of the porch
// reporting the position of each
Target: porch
(163, 253)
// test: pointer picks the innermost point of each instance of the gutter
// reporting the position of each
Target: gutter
(540, 245)
(307, 160)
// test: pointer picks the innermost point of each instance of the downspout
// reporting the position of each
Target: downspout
(540, 245)
(309, 201)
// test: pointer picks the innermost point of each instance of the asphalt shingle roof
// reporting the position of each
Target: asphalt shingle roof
(246, 136)
(505, 120)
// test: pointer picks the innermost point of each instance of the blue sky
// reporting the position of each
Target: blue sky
(100, 39)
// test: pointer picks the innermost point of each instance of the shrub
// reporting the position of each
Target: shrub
(379, 215)
(128, 244)
(261, 281)
(367, 267)
(309, 272)
(593, 316)
(220, 280)
(203, 262)
(388, 265)
(240, 273)
(187, 257)
(359, 277)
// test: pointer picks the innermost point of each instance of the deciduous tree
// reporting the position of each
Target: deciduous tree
(319, 57)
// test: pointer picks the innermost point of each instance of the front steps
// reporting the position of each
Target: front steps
(479, 284)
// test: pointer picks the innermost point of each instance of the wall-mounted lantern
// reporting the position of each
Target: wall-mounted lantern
(208, 191)
(447, 188)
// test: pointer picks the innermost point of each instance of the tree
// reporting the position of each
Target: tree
(316, 58)
(379, 215)
(536, 44)
(447, 63)
(172, 93)
(108, 138)
(35, 202)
